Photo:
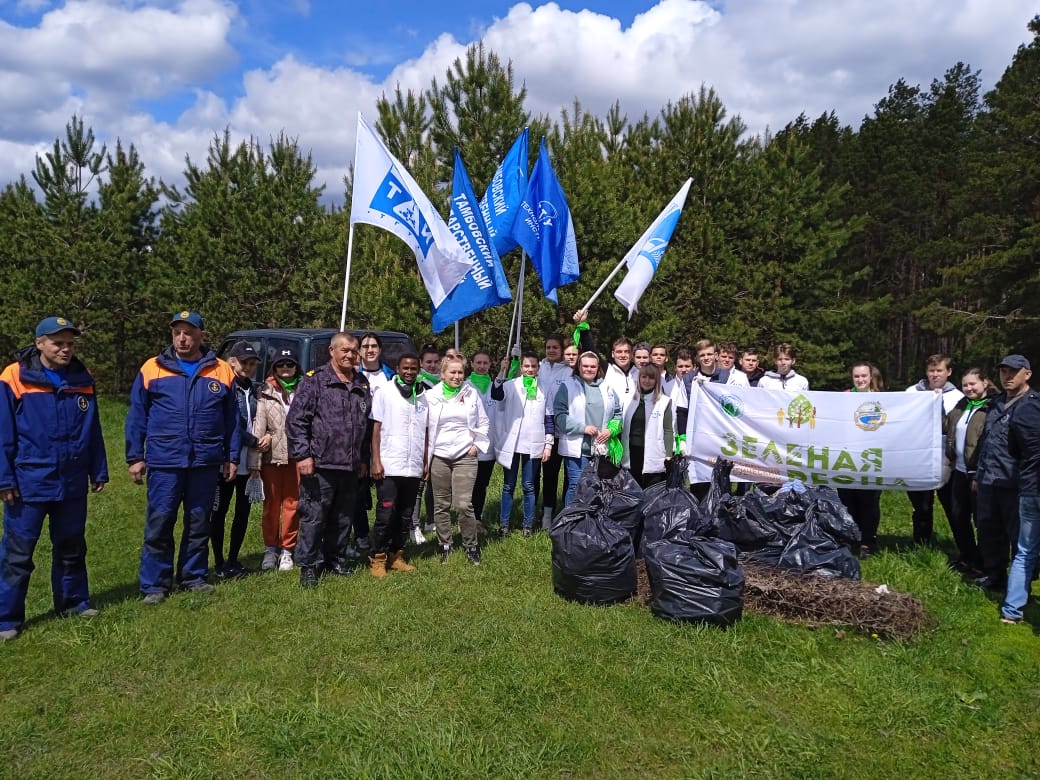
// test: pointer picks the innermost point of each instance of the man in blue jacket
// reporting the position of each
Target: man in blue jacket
(52, 450)
(183, 430)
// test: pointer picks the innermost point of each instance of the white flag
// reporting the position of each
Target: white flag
(386, 195)
(643, 258)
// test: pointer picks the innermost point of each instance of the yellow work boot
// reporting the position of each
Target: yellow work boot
(378, 565)
(396, 562)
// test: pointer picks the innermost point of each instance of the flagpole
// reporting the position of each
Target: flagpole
(520, 304)
(346, 279)
(516, 303)
(603, 286)
(456, 335)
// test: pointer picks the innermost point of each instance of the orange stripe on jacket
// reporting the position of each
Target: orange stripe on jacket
(12, 377)
(221, 371)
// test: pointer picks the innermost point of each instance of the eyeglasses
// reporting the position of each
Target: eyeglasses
(369, 346)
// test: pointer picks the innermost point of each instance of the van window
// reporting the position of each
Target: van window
(319, 351)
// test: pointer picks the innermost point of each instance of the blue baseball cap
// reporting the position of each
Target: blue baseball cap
(190, 317)
(51, 325)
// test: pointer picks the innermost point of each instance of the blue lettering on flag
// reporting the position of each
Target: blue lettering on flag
(396, 202)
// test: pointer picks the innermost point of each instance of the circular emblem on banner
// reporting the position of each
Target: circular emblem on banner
(214, 386)
(732, 405)
(82, 403)
(870, 416)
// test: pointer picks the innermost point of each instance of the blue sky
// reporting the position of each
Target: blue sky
(169, 75)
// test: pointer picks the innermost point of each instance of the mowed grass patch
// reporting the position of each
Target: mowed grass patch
(461, 671)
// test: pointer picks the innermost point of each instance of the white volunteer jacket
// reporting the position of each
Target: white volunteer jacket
(458, 423)
(570, 444)
(520, 423)
(655, 448)
(402, 431)
(551, 376)
(624, 384)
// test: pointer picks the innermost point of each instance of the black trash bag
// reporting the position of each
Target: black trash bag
(813, 549)
(695, 579)
(593, 561)
(755, 520)
(718, 497)
(668, 507)
(832, 516)
(619, 494)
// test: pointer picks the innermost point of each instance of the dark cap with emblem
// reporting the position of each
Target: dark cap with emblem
(51, 325)
(243, 350)
(284, 355)
(190, 317)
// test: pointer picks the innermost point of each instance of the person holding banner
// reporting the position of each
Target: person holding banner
(864, 505)
(785, 377)
(647, 431)
(587, 414)
(458, 430)
(525, 440)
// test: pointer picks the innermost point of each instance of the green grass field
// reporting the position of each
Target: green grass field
(463, 672)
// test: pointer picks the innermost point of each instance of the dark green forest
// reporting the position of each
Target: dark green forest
(918, 232)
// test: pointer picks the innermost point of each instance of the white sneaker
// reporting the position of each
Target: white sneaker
(430, 528)
(417, 535)
(285, 562)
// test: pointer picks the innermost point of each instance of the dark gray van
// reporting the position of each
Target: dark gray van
(311, 344)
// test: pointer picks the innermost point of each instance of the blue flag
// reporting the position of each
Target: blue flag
(485, 285)
(543, 227)
(503, 195)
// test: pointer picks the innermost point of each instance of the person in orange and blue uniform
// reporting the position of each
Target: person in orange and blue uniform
(183, 430)
(53, 450)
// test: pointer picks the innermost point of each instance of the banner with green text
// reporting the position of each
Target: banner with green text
(870, 441)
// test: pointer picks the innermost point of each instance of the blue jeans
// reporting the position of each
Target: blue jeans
(527, 467)
(573, 468)
(1020, 578)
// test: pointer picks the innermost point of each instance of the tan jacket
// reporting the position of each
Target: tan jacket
(270, 419)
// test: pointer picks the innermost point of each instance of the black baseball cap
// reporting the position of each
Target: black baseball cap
(243, 350)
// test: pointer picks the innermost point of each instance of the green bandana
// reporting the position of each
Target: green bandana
(401, 384)
(450, 392)
(582, 326)
(427, 376)
(531, 386)
(973, 405)
(289, 384)
(480, 381)
(615, 450)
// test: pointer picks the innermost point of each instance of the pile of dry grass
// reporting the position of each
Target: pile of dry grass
(811, 600)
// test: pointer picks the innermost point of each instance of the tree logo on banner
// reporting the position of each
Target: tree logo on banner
(799, 412)
(870, 416)
(732, 405)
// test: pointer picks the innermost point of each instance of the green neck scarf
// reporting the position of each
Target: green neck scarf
(288, 384)
(450, 392)
(480, 381)
(531, 386)
(431, 378)
(403, 386)
(973, 405)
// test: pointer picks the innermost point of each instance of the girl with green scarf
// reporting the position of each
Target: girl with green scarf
(279, 521)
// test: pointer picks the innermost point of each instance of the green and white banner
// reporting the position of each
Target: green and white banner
(869, 441)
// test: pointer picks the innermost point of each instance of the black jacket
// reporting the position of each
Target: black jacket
(328, 421)
(996, 466)
(1024, 444)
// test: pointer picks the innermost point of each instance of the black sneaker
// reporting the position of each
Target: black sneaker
(473, 554)
(308, 577)
(339, 570)
(527, 533)
(233, 570)
(444, 552)
(503, 531)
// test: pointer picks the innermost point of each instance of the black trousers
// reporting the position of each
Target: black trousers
(327, 500)
(865, 508)
(239, 521)
(480, 486)
(997, 519)
(961, 517)
(923, 503)
(395, 499)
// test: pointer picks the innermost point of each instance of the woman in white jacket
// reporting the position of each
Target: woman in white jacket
(646, 432)
(458, 431)
(525, 436)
